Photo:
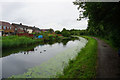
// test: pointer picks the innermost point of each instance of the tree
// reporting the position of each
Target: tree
(65, 32)
(51, 30)
(57, 32)
(103, 19)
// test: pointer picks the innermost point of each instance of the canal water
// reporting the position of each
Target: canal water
(42, 61)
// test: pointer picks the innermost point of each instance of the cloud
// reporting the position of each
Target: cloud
(56, 14)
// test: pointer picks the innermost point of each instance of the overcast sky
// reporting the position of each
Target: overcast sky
(56, 14)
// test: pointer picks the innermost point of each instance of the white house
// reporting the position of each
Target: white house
(29, 30)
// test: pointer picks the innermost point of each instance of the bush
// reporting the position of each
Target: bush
(66, 33)
(14, 41)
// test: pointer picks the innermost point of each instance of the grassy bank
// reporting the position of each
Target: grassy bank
(84, 66)
(15, 41)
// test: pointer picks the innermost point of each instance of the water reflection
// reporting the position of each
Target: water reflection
(31, 47)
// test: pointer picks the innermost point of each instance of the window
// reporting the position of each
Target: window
(0, 27)
(15, 28)
(10, 27)
(0, 33)
(4, 27)
(21, 28)
(7, 27)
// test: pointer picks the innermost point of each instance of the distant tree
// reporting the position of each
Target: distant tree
(57, 32)
(51, 30)
(66, 33)
(63, 30)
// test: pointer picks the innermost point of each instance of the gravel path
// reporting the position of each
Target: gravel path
(108, 64)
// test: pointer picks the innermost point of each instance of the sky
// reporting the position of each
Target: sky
(44, 14)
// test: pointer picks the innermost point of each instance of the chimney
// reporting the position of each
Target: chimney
(20, 23)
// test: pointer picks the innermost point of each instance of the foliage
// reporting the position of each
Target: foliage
(15, 41)
(51, 30)
(103, 19)
(57, 32)
(84, 66)
(65, 33)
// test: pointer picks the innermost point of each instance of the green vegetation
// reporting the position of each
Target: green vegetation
(57, 32)
(15, 41)
(103, 20)
(65, 33)
(18, 49)
(84, 66)
(47, 36)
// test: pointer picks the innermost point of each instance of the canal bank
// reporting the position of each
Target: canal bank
(84, 65)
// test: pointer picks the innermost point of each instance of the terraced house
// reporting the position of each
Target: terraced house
(6, 28)
(19, 28)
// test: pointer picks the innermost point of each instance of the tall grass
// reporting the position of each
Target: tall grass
(84, 66)
(15, 41)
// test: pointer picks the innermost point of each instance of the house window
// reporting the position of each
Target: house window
(21, 28)
(15, 28)
(4, 27)
(10, 27)
(7, 27)
(0, 27)
(0, 33)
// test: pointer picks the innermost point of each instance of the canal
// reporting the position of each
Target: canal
(41, 61)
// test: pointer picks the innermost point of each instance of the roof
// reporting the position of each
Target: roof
(4, 23)
(35, 28)
(19, 25)
(44, 29)
(24, 26)
(29, 27)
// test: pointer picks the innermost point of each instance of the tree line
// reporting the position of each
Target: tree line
(104, 19)
(68, 33)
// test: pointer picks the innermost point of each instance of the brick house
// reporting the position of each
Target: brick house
(36, 30)
(19, 28)
(6, 28)
(15, 29)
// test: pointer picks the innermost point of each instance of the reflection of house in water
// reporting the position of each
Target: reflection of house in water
(41, 45)
(29, 50)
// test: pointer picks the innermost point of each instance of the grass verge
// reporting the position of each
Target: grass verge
(84, 66)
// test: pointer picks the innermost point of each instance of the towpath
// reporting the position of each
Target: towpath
(108, 63)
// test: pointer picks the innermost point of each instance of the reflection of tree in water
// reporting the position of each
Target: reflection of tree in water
(9, 51)
(31, 49)
(51, 42)
(27, 52)
(28, 48)
(65, 41)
